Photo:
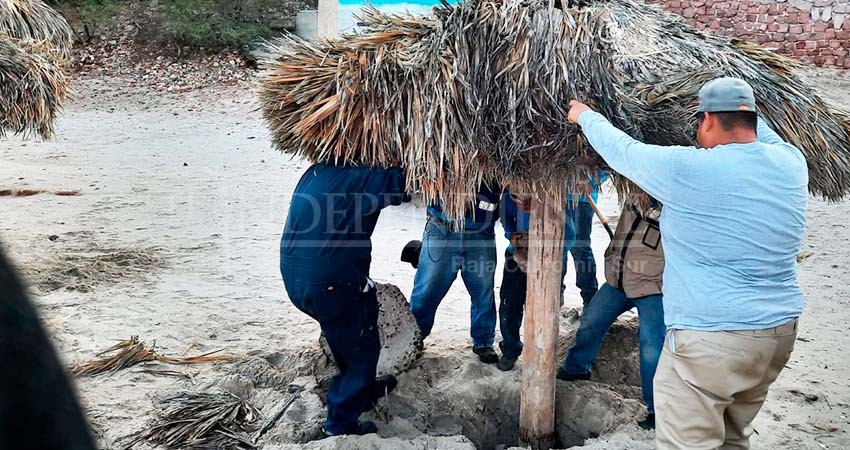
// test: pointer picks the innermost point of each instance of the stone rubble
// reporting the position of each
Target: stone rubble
(122, 54)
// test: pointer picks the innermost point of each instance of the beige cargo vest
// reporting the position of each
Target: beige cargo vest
(634, 261)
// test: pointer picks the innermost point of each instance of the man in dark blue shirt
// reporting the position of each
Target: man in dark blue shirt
(325, 256)
(468, 248)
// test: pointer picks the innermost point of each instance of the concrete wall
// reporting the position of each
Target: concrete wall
(814, 31)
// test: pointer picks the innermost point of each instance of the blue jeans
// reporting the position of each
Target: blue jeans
(348, 318)
(582, 215)
(608, 304)
(444, 253)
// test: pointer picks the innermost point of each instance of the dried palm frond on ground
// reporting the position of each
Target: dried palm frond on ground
(34, 21)
(481, 91)
(32, 90)
(167, 373)
(218, 421)
(130, 352)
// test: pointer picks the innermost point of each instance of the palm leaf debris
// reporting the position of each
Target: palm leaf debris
(802, 256)
(201, 421)
(130, 352)
(480, 91)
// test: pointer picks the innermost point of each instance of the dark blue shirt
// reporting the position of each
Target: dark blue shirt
(481, 217)
(333, 213)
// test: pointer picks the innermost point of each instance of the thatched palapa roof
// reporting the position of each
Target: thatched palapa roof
(35, 42)
(481, 91)
(34, 21)
(32, 88)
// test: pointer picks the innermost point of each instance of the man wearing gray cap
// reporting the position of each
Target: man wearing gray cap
(732, 224)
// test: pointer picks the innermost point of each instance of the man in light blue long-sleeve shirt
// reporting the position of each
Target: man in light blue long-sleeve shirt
(732, 224)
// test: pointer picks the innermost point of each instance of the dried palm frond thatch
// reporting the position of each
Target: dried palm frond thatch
(204, 420)
(129, 352)
(481, 91)
(34, 21)
(35, 43)
(32, 89)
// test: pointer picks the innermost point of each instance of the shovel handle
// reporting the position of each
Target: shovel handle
(601, 217)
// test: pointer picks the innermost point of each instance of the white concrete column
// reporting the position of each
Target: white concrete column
(328, 18)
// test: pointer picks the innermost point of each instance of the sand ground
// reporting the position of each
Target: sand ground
(175, 238)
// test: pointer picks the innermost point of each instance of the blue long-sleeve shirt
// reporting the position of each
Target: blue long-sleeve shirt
(515, 220)
(595, 182)
(732, 224)
(333, 213)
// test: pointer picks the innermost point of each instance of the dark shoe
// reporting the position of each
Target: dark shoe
(410, 253)
(566, 376)
(363, 428)
(486, 354)
(366, 427)
(382, 386)
(505, 364)
(648, 423)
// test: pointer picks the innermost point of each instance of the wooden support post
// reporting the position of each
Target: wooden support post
(328, 17)
(545, 254)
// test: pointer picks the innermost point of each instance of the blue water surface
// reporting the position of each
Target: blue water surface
(348, 8)
(380, 3)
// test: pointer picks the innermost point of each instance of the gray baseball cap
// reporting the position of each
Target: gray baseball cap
(726, 95)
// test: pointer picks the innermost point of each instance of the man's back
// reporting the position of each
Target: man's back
(334, 211)
(732, 225)
(732, 230)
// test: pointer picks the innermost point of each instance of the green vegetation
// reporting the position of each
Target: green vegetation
(210, 23)
(92, 14)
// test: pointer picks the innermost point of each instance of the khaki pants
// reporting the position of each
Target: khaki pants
(710, 385)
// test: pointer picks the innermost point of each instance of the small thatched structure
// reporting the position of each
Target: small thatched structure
(32, 89)
(34, 21)
(480, 91)
(35, 42)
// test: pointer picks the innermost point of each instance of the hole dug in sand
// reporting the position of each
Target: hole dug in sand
(446, 399)
(446, 396)
(449, 393)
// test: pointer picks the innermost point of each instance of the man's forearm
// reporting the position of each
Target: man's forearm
(604, 137)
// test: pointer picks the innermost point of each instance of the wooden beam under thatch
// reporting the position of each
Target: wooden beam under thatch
(481, 91)
(32, 90)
